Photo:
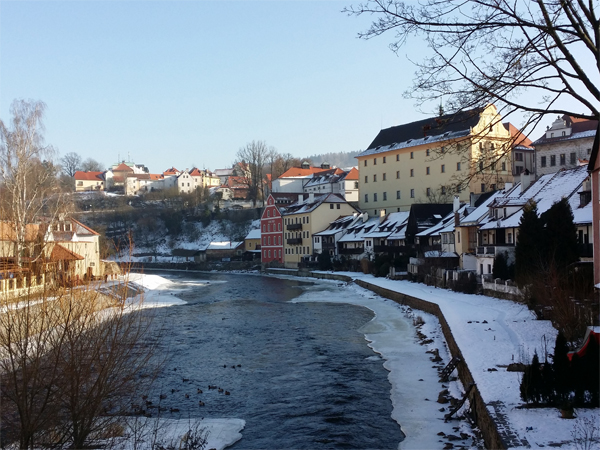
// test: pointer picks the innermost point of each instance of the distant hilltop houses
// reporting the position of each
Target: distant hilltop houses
(135, 179)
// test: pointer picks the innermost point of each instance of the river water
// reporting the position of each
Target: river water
(300, 374)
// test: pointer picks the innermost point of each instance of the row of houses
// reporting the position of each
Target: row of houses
(465, 235)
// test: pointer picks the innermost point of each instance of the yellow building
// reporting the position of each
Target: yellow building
(310, 214)
(432, 159)
(89, 181)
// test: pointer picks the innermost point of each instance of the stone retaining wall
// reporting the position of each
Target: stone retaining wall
(486, 424)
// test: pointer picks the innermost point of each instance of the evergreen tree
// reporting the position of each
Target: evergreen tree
(500, 269)
(561, 235)
(528, 251)
(561, 366)
(531, 384)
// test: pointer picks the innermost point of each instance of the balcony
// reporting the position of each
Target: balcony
(585, 250)
(492, 250)
(294, 226)
(390, 248)
(351, 251)
(294, 241)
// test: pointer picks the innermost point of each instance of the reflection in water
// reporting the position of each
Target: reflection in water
(300, 374)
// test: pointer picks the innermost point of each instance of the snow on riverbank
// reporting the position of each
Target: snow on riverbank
(414, 382)
(491, 334)
(171, 433)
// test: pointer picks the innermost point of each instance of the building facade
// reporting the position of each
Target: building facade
(430, 160)
(271, 227)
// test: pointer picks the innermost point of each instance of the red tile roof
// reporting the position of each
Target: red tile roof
(300, 172)
(353, 174)
(59, 253)
(88, 176)
(122, 168)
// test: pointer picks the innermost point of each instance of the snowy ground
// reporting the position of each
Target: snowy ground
(491, 334)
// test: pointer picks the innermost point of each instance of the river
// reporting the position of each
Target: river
(300, 374)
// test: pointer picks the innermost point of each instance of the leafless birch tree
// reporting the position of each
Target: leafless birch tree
(28, 184)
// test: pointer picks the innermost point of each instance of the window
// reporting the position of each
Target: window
(384, 196)
(375, 178)
(412, 172)
(482, 187)
(518, 156)
(443, 168)
(412, 193)
(338, 206)
(356, 185)
(427, 152)
(519, 170)
(481, 164)
(503, 166)
(397, 174)
(510, 238)
(269, 227)
(375, 197)
(383, 177)
(552, 160)
(427, 170)
(412, 155)
(428, 192)
(543, 161)
(398, 195)
(573, 157)
(443, 188)
(279, 226)
(331, 206)
(366, 179)
(366, 198)
(563, 159)
(374, 161)
(365, 163)
(384, 159)
(398, 157)
(457, 166)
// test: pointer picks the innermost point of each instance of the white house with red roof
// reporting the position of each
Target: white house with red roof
(334, 181)
(89, 181)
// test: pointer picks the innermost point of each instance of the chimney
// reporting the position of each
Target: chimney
(300, 198)
(311, 197)
(455, 208)
(365, 217)
(525, 180)
(381, 215)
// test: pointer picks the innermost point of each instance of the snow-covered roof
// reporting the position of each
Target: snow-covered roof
(545, 192)
(253, 234)
(310, 203)
(223, 245)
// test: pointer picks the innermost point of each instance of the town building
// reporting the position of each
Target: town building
(309, 215)
(430, 160)
(89, 181)
(566, 144)
(271, 227)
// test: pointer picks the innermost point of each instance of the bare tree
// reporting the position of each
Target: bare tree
(70, 163)
(493, 51)
(91, 165)
(253, 157)
(72, 362)
(28, 181)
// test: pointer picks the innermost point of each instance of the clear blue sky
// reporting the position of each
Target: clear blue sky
(189, 83)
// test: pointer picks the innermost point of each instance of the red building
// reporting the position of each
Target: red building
(271, 227)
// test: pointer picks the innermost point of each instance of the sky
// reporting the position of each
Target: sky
(188, 83)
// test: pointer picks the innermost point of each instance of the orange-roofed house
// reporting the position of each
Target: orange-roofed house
(89, 181)
(293, 180)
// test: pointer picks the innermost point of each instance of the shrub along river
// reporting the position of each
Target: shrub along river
(300, 374)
